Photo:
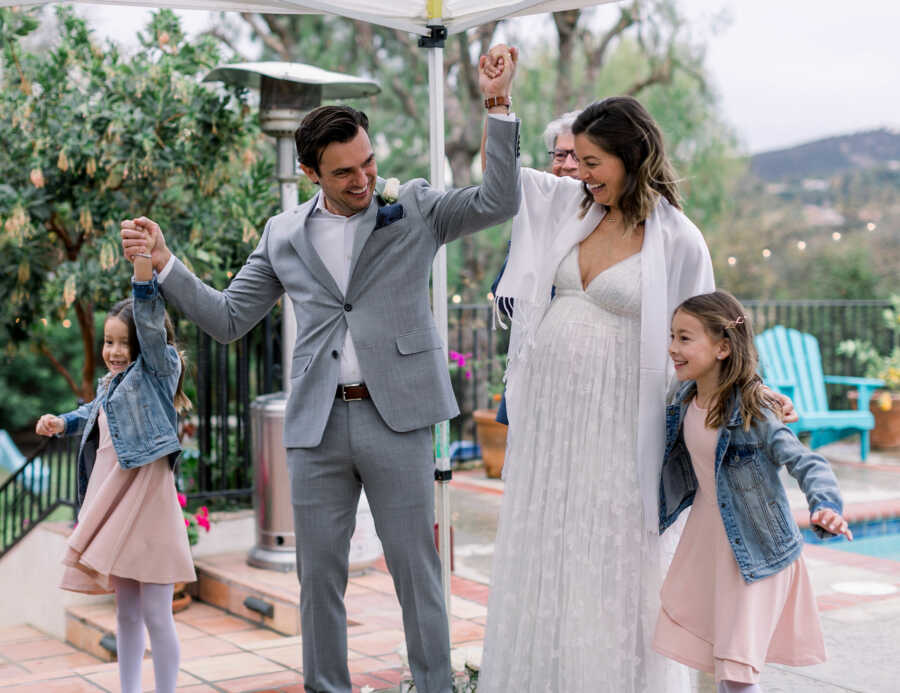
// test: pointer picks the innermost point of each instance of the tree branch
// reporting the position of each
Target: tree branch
(222, 38)
(566, 23)
(660, 74)
(85, 315)
(54, 225)
(466, 73)
(59, 368)
(264, 27)
(628, 16)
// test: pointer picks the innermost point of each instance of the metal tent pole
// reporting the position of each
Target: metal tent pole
(442, 474)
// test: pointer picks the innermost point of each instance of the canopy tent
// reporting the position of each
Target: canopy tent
(414, 16)
(433, 20)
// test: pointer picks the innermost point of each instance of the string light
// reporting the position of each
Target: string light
(801, 245)
(67, 323)
(44, 321)
(766, 252)
(732, 260)
(457, 298)
(871, 226)
(836, 236)
(490, 295)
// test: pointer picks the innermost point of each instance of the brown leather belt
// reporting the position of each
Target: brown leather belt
(352, 392)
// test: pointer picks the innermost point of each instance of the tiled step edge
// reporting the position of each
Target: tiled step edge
(85, 635)
(219, 590)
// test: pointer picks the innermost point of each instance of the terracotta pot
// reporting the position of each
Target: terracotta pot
(492, 439)
(181, 600)
(886, 434)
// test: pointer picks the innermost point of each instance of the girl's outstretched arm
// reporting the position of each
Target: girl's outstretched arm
(69, 424)
(150, 319)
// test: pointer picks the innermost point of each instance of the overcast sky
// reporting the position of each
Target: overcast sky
(787, 71)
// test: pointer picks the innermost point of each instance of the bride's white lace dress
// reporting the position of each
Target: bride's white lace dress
(575, 587)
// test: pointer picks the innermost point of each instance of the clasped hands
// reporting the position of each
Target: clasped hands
(496, 70)
(143, 236)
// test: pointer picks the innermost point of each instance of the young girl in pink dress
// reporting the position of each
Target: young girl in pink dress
(130, 537)
(737, 593)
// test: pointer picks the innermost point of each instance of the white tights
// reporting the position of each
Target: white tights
(738, 687)
(137, 604)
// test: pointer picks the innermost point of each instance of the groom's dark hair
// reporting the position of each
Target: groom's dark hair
(324, 125)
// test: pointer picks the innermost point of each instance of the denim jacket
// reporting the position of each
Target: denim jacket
(138, 402)
(752, 501)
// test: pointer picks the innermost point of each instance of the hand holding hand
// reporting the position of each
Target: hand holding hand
(831, 521)
(496, 70)
(143, 235)
(49, 425)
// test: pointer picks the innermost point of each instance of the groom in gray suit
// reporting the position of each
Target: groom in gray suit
(368, 375)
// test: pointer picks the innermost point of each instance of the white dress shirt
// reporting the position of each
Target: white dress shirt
(332, 236)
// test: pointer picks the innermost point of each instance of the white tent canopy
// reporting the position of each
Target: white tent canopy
(413, 16)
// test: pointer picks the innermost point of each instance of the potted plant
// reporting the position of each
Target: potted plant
(885, 404)
(192, 524)
(491, 433)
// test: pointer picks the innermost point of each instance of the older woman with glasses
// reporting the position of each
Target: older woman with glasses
(561, 145)
(578, 561)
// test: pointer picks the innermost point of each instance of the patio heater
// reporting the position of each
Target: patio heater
(288, 91)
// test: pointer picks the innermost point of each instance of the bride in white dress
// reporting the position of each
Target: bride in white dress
(578, 561)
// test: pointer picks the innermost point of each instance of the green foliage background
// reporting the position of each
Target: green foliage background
(91, 137)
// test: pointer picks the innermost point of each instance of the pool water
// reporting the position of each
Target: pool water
(880, 538)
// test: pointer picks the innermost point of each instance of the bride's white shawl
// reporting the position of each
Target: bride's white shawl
(675, 264)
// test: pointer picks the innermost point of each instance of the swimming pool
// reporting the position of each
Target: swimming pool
(878, 538)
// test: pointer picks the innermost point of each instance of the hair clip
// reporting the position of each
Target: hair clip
(731, 324)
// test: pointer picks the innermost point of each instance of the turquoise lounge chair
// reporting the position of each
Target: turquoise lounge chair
(792, 364)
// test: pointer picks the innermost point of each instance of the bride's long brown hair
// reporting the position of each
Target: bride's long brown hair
(723, 317)
(621, 126)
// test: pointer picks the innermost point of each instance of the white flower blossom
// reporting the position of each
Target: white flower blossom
(391, 190)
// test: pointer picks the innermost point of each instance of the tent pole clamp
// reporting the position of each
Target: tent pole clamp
(443, 475)
(436, 38)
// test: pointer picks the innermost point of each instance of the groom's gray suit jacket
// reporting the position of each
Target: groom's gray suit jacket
(386, 307)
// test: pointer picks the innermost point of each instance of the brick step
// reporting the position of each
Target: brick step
(268, 598)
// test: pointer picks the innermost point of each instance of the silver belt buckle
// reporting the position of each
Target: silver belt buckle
(344, 392)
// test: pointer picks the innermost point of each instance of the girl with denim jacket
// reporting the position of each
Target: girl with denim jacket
(130, 537)
(737, 593)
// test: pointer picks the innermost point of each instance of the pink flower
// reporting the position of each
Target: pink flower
(203, 521)
(187, 522)
(204, 511)
(182, 500)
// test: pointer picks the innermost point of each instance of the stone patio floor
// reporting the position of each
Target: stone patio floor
(223, 652)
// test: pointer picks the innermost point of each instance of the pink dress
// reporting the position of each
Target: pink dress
(710, 618)
(130, 526)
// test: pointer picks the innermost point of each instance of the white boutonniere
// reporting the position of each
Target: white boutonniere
(391, 190)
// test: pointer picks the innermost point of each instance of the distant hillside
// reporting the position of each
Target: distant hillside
(829, 156)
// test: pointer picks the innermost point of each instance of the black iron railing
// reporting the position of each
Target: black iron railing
(227, 378)
(36, 489)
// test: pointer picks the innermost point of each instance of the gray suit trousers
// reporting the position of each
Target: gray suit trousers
(359, 450)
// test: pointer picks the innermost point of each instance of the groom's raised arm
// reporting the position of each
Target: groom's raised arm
(458, 212)
(224, 315)
(462, 211)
